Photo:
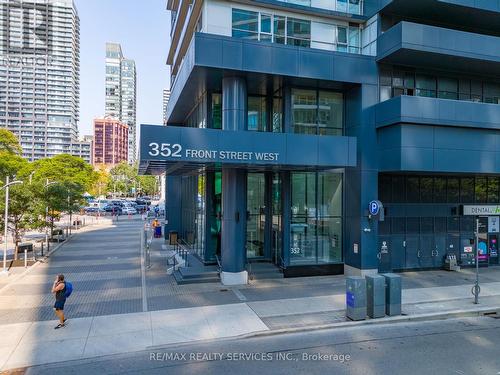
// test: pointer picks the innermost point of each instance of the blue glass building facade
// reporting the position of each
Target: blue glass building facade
(286, 119)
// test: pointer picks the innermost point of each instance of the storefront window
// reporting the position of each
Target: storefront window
(316, 225)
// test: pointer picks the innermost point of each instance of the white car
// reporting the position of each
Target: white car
(129, 210)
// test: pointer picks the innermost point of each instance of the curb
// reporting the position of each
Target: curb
(453, 314)
(464, 313)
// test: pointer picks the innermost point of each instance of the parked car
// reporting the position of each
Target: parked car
(113, 209)
(129, 210)
(93, 210)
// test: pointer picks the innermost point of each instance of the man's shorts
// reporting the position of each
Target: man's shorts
(59, 305)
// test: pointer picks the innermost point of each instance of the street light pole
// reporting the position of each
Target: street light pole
(6, 186)
(47, 184)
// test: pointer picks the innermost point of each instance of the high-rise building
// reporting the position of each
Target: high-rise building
(83, 149)
(39, 74)
(329, 137)
(121, 93)
(110, 142)
(166, 98)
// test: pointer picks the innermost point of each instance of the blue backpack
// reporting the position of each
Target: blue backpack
(69, 289)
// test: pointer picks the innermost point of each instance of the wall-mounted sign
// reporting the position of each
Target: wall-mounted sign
(493, 224)
(374, 207)
(176, 150)
(355, 248)
(484, 210)
(176, 145)
(467, 249)
(384, 249)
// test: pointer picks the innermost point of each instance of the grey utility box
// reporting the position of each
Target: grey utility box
(355, 297)
(392, 294)
(375, 295)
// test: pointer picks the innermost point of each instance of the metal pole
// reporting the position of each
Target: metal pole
(477, 289)
(6, 224)
(25, 258)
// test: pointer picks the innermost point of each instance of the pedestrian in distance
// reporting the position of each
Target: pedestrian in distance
(59, 289)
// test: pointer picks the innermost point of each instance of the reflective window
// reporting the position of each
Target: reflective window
(298, 32)
(425, 85)
(216, 111)
(317, 112)
(440, 189)
(447, 88)
(330, 113)
(279, 29)
(245, 24)
(316, 225)
(481, 190)
(354, 39)
(493, 190)
(304, 108)
(257, 113)
(453, 191)
(467, 190)
(403, 81)
(277, 118)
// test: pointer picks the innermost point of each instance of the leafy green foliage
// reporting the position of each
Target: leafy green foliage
(124, 178)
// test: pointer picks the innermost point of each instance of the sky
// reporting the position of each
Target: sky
(142, 27)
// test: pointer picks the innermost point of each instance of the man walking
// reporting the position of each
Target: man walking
(59, 289)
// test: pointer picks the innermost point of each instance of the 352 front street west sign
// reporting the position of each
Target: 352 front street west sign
(177, 145)
(176, 150)
(481, 210)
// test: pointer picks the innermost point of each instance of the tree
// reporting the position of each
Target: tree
(101, 184)
(9, 142)
(124, 177)
(70, 178)
(24, 208)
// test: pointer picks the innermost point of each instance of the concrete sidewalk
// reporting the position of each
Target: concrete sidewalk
(25, 344)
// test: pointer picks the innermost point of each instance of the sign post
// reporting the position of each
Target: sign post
(477, 289)
(480, 211)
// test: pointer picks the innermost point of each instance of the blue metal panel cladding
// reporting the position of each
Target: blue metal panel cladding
(424, 148)
(425, 45)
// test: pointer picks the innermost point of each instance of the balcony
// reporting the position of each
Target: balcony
(420, 134)
(433, 111)
(428, 46)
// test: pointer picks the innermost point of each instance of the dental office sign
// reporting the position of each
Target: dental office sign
(485, 210)
(177, 151)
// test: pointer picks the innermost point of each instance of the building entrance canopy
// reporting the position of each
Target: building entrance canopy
(176, 150)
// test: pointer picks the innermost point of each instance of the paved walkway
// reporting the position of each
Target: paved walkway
(118, 306)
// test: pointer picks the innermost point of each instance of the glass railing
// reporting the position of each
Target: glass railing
(344, 6)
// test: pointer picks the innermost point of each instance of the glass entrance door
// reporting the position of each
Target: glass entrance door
(256, 215)
(276, 230)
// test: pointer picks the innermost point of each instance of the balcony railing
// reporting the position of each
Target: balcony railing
(343, 6)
